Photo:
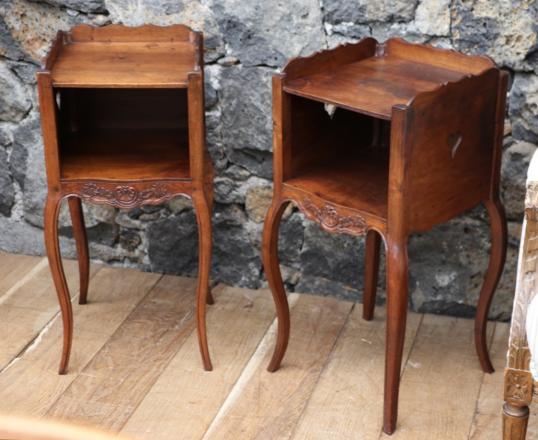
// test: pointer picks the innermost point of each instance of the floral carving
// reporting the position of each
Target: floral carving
(125, 196)
(518, 386)
(330, 220)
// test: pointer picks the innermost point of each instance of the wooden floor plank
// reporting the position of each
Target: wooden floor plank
(441, 381)
(113, 384)
(14, 269)
(487, 423)
(30, 306)
(185, 399)
(269, 405)
(31, 385)
(348, 400)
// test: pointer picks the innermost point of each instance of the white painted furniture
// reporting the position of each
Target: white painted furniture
(522, 364)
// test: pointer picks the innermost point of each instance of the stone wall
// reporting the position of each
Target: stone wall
(246, 42)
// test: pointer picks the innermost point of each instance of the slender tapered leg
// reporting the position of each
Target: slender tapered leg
(203, 217)
(209, 194)
(371, 271)
(274, 278)
(515, 419)
(52, 209)
(397, 293)
(81, 240)
(493, 274)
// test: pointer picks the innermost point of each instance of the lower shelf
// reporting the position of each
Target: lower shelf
(125, 155)
(359, 182)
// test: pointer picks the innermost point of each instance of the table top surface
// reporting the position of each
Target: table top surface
(372, 85)
(158, 64)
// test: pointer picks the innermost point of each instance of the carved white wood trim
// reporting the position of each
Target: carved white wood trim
(526, 281)
(532, 335)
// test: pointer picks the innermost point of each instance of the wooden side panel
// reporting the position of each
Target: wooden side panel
(445, 58)
(451, 147)
(121, 33)
(329, 59)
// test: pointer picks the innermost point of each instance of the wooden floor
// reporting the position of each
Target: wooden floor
(136, 367)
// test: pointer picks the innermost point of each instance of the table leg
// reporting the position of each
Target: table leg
(274, 278)
(81, 240)
(493, 274)
(203, 217)
(397, 294)
(371, 269)
(52, 210)
(515, 419)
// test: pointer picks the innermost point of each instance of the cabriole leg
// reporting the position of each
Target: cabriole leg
(371, 271)
(203, 217)
(52, 244)
(81, 240)
(397, 294)
(493, 274)
(274, 278)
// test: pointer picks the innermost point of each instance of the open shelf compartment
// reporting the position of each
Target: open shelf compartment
(341, 158)
(123, 134)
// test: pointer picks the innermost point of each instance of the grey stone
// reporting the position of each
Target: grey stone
(179, 204)
(524, 107)
(229, 190)
(269, 32)
(195, 14)
(87, 6)
(7, 193)
(173, 244)
(9, 47)
(515, 163)
(5, 135)
(14, 102)
(507, 33)
(432, 17)
(102, 233)
(447, 267)
(235, 259)
(25, 71)
(342, 33)
(35, 25)
(291, 240)
(20, 237)
(130, 240)
(255, 161)
(257, 202)
(246, 100)
(28, 168)
(365, 11)
(336, 257)
(94, 214)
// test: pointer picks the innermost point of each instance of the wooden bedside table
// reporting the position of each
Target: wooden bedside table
(122, 114)
(416, 139)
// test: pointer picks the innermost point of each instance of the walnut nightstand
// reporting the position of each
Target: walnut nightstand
(416, 139)
(122, 114)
